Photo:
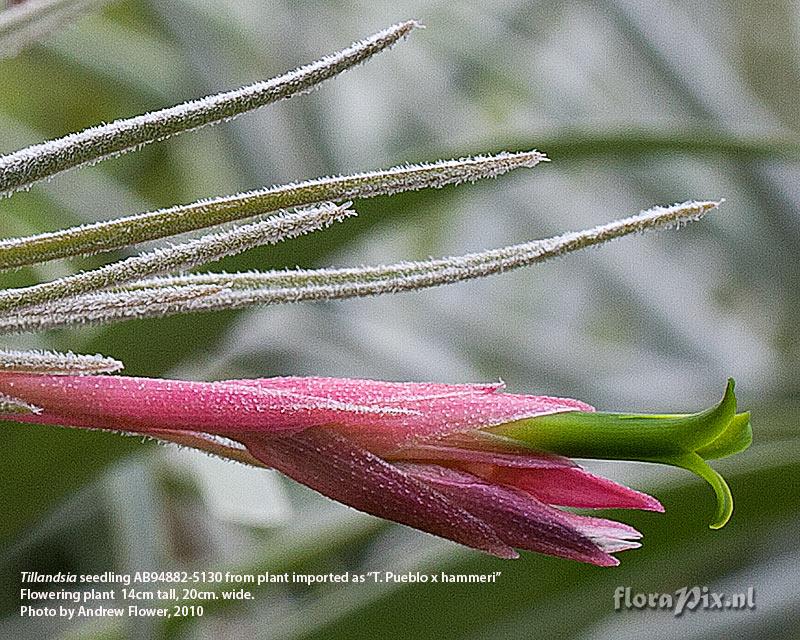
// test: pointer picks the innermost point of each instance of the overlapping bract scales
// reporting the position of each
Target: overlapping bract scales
(421, 454)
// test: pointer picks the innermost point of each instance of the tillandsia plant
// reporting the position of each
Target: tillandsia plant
(487, 469)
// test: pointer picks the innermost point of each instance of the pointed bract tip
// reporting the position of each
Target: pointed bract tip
(508, 553)
(15, 406)
(652, 504)
(604, 560)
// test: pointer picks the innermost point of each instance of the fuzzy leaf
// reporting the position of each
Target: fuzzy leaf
(54, 363)
(178, 257)
(30, 21)
(27, 166)
(152, 225)
(185, 294)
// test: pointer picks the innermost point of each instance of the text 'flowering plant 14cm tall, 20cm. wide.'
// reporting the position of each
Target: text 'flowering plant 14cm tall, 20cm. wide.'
(488, 469)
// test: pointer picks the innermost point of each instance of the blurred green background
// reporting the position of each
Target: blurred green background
(637, 103)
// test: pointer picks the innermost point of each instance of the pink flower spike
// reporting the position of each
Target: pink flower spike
(469, 463)
(430, 410)
(122, 403)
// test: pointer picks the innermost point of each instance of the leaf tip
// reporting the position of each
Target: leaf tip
(411, 24)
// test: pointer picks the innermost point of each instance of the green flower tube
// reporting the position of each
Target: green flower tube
(681, 440)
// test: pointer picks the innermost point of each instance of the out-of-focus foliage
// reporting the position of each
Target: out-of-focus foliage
(635, 102)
